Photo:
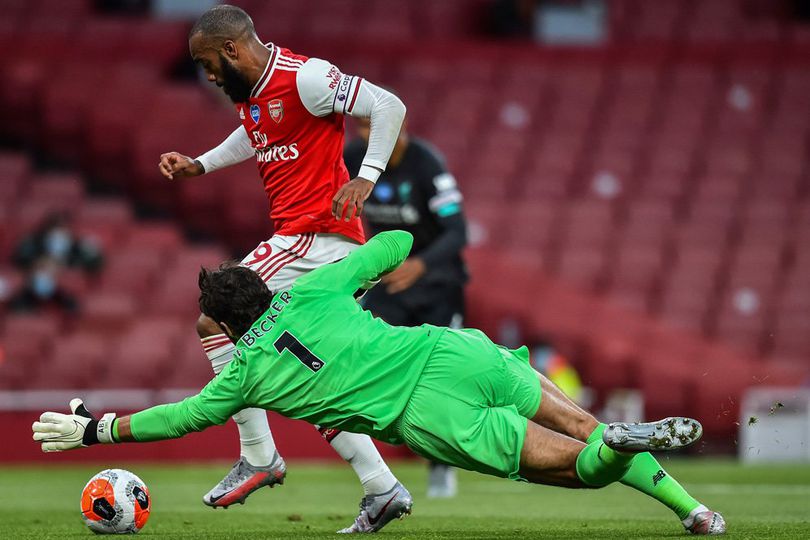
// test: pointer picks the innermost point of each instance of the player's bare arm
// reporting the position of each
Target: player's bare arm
(174, 165)
(349, 200)
(405, 276)
(234, 149)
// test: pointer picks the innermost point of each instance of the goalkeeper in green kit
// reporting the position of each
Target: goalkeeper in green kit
(452, 396)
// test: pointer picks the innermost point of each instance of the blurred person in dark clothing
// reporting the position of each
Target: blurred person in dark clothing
(512, 18)
(417, 194)
(55, 239)
(41, 291)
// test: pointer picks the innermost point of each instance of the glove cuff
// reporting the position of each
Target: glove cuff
(104, 429)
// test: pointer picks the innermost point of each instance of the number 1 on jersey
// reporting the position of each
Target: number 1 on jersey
(289, 342)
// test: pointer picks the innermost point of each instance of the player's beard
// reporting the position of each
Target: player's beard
(235, 84)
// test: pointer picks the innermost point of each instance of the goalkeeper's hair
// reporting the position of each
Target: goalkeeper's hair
(234, 295)
(223, 22)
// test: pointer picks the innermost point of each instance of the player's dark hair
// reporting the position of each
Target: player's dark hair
(234, 295)
(225, 22)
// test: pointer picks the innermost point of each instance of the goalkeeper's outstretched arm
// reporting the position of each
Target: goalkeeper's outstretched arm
(217, 402)
(382, 254)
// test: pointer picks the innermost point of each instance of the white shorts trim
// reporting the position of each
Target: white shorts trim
(281, 260)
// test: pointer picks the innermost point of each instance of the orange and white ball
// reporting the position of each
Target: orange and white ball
(115, 501)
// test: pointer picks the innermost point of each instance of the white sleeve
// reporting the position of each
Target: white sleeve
(324, 90)
(235, 149)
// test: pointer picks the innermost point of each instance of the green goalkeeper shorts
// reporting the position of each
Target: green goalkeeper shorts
(471, 404)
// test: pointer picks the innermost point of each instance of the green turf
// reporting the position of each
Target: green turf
(758, 502)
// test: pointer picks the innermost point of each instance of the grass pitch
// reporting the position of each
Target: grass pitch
(757, 502)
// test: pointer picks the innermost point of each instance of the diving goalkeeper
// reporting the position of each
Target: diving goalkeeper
(453, 396)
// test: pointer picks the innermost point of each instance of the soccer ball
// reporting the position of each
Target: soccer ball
(115, 501)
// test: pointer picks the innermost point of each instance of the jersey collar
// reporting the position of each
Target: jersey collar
(267, 73)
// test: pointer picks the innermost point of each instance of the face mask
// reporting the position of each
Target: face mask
(57, 243)
(43, 284)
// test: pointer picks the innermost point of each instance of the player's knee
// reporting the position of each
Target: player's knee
(206, 327)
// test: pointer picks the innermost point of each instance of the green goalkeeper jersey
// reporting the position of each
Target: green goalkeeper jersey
(315, 355)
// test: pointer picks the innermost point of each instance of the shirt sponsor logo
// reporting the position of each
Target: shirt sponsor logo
(276, 109)
(278, 153)
(334, 76)
(255, 112)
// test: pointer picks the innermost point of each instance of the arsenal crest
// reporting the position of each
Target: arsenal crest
(276, 109)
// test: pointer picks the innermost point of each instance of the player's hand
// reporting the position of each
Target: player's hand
(348, 201)
(405, 276)
(58, 432)
(174, 165)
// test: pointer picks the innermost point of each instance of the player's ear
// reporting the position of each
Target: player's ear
(228, 331)
(230, 49)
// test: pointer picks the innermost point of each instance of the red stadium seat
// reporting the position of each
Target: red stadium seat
(530, 225)
(64, 190)
(191, 369)
(20, 362)
(14, 172)
(582, 266)
(132, 271)
(42, 328)
(108, 312)
(161, 238)
(78, 362)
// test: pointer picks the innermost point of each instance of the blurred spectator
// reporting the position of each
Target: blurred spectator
(513, 18)
(124, 7)
(41, 290)
(55, 239)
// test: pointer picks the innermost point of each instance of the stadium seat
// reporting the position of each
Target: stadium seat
(160, 238)
(132, 271)
(108, 312)
(20, 362)
(191, 369)
(78, 362)
(42, 328)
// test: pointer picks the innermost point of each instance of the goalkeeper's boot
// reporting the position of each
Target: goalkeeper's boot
(377, 510)
(705, 522)
(667, 434)
(243, 479)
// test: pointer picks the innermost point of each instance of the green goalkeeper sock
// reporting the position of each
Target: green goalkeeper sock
(599, 465)
(646, 475)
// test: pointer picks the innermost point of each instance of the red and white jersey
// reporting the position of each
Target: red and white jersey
(298, 141)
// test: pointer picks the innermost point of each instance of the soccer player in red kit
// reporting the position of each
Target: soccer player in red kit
(291, 109)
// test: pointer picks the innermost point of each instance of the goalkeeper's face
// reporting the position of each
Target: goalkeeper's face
(234, 297)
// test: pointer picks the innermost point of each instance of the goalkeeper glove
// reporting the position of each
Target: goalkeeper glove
(58, 432)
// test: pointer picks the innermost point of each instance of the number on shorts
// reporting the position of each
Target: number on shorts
(259, 254)
(289, 342)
